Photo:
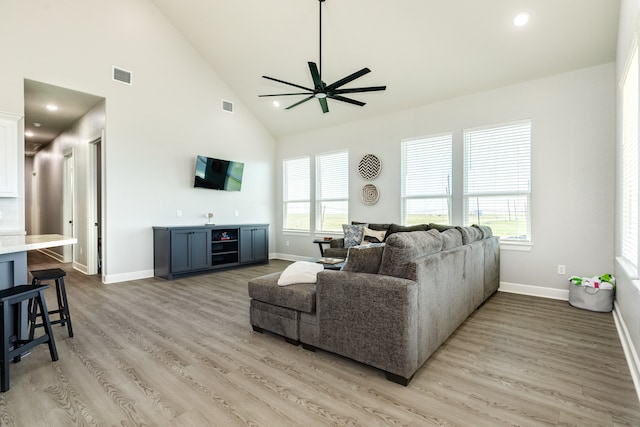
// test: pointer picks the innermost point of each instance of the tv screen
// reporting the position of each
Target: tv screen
(218, 174)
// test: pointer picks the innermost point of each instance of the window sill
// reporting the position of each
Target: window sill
(516, 246)
(296, 233)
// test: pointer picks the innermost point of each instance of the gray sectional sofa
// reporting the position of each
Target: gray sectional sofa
(392, 305)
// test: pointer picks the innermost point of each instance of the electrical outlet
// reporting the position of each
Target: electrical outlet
(179, 213)
(237, 212)
(287, 243)
(561, 269)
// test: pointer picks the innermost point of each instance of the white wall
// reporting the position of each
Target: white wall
(573, 152)
(628, 290)
(154, 128)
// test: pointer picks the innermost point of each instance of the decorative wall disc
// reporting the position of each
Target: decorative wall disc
(369, 166)
(369, 194)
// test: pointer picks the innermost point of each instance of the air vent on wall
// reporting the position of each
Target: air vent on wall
(122, 75)
(227, 106)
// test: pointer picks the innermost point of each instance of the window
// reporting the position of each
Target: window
(497, 179)
(629, 191)
(296, 209)
(426, 180)
(332, 191)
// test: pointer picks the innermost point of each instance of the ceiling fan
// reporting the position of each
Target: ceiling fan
(321, 91)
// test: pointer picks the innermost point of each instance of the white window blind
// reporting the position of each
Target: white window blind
(332, 191)
(629, 191)
(497, 179)
(426, 180)
(296, 209)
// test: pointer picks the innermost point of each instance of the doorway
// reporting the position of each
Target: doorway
(94, 206)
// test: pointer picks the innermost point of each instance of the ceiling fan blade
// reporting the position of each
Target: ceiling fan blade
(287, 94)
(348, 79)
(324, 105)
(299, 102)
(287, 83)
(317, 81)
(359, 89)
(348, 100)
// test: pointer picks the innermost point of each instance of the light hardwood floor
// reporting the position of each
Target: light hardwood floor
(182, 353)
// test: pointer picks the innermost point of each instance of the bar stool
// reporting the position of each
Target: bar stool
(12, 298)
(56, 274)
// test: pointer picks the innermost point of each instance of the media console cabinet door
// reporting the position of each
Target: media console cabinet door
(9, 154)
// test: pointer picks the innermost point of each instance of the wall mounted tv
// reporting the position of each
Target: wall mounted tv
(218, 174)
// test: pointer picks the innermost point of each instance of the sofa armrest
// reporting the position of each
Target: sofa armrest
(370, 318)
(337, 243)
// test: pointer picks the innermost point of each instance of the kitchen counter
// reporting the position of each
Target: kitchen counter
(20, 243)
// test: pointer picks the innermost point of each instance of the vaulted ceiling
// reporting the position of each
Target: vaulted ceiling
(423, 50)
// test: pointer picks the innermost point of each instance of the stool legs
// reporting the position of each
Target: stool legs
(62, 311)
(10, 331)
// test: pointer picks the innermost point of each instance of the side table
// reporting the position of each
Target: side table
(321, 242)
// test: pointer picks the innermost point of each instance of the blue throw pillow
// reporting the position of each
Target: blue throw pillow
(352, 234)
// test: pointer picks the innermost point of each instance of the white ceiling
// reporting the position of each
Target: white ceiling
(423, 50)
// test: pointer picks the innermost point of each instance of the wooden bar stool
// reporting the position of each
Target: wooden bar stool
(11, 304)
(57, 275)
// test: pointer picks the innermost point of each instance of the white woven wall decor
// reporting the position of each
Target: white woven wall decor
(369, 195)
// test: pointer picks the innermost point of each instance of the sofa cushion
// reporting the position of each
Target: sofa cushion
(470, 234)
(373, 226)
(300, 272)
(402, 248)
(395, 228)
(301, 297)
(352, 234)
(440, 227)
(364, 258)
(372, 236)
(451, 238)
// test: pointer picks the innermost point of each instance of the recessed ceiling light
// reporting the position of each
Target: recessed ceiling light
(521, 19)
(36, 124)
(28, 133)
(52, 107)
(276, 104)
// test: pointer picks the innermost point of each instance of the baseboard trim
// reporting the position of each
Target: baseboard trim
(536, 291)
(629, 350)
(51, 254)
(124, 277)
(289, 257)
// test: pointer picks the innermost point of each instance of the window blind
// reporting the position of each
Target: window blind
(497, 178)
(296, 194)
(332, 191)
(630, 162)
(426, 179)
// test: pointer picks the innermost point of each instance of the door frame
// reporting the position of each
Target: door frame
(68, 204)
(94, 146)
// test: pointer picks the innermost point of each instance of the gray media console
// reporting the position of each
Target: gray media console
(180, 251)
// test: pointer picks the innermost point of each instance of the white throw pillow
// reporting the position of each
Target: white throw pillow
(300, 272)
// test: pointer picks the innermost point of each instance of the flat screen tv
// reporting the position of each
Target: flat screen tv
(218, 174)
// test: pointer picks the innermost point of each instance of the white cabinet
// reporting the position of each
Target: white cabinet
(9, 154)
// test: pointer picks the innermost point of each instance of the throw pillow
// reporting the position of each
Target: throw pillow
(372, 236)
(364, 259)
(352, 234)
(300, 272)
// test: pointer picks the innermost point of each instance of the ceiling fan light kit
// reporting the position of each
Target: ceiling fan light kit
(321, 91)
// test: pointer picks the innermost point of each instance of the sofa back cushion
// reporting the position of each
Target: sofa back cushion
(451, 238)
(470, 234)
(402, 248)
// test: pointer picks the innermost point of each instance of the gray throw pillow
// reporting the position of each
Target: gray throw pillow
(364, 258)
